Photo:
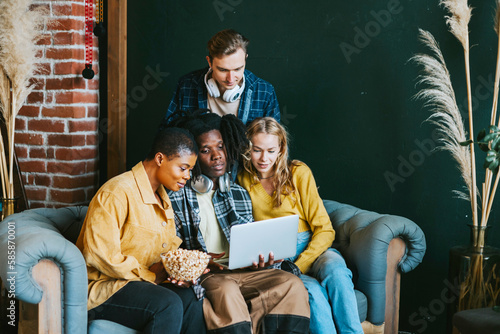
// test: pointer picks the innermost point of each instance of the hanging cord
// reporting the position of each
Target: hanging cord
(88, 73)
(99, 26)
(98, 11)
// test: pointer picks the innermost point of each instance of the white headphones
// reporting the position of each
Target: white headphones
(230, 95)
(203, 184)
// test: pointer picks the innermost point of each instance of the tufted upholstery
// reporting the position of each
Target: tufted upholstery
(362, 237)
(51, 234)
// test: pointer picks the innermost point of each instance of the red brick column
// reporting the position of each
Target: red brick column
(56, 130)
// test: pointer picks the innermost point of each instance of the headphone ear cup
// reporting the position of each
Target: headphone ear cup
(232, 95)
(225, 183)
(212, 88)
(235, 93)
(202, 184)
(211, 85)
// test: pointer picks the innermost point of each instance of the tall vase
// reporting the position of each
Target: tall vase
(474, 272)
(9, 206)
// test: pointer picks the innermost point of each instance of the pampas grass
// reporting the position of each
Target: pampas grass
(458, 23)
(439, 95)
(459, 19)
(476, 288)
(490, 194)
(22, 25)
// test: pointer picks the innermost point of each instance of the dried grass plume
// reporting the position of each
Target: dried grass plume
(459, 19)
(439, 95)
(22, 24)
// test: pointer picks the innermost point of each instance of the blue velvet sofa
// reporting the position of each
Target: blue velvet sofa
(50, 271)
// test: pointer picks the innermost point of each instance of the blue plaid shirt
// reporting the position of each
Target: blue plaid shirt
(231, 208)
(258, 98)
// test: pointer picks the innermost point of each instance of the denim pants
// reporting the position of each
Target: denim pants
(331, 292)
(152, 308)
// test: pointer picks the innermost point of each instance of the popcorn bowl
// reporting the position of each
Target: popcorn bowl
(185, 265)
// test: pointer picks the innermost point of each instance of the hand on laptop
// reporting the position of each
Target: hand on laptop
(262, 264)
(214, 266)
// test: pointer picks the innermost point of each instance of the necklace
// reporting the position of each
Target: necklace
(265, 178)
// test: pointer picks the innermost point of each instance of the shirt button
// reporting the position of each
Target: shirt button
(164, 224)
(164, 245)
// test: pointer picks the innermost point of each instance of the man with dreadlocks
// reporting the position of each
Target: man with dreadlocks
(238, 301)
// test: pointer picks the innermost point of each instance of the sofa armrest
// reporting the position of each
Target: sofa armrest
(363, 238)
(35, 238)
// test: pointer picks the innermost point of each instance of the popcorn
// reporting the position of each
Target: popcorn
(185, 265)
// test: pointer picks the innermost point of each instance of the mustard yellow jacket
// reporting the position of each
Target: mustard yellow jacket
(124, 233)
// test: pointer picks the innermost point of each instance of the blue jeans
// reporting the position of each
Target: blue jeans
(153, 309)
(331, 292)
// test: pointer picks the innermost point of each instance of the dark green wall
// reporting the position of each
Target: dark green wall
(352, 118)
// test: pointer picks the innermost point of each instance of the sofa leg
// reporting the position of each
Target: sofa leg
(369, 328)
(28, 318)
(395, 253)
(48, 275)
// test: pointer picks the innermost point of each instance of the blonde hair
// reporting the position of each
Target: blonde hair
(282, 179)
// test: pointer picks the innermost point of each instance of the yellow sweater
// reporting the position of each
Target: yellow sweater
(124, 233)
(309, 206)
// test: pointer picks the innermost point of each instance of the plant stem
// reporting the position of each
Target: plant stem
(496, 88)
(11, 127)
(473, 191)
(488, 209)
(3, 167)
(487, 195)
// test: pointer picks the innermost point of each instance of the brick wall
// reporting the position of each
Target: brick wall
(56, 130)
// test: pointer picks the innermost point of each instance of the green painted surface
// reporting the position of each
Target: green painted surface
(345, 87)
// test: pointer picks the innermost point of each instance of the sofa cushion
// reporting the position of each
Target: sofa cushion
(362, 305)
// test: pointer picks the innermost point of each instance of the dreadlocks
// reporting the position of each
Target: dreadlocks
(202, 121)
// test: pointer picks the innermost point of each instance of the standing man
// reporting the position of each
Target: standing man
(226, 87)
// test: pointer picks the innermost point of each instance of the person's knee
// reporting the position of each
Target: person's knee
(314, 288)
(221, 285)
(166, 303)
(312, 285)
(293, 284)
(331, 266)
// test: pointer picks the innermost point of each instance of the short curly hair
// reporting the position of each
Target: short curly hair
(172, 141)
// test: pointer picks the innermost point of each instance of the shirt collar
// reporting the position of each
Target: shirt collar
(147, 194)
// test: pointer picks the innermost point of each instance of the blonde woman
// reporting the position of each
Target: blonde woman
(280, 187)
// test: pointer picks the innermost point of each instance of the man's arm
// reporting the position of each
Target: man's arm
(188, 94)
(273, 108)
(264, 102)
(173, 106)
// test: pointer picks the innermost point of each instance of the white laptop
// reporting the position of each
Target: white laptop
(277, 235)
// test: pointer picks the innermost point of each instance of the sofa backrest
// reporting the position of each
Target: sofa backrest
(68, 221)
